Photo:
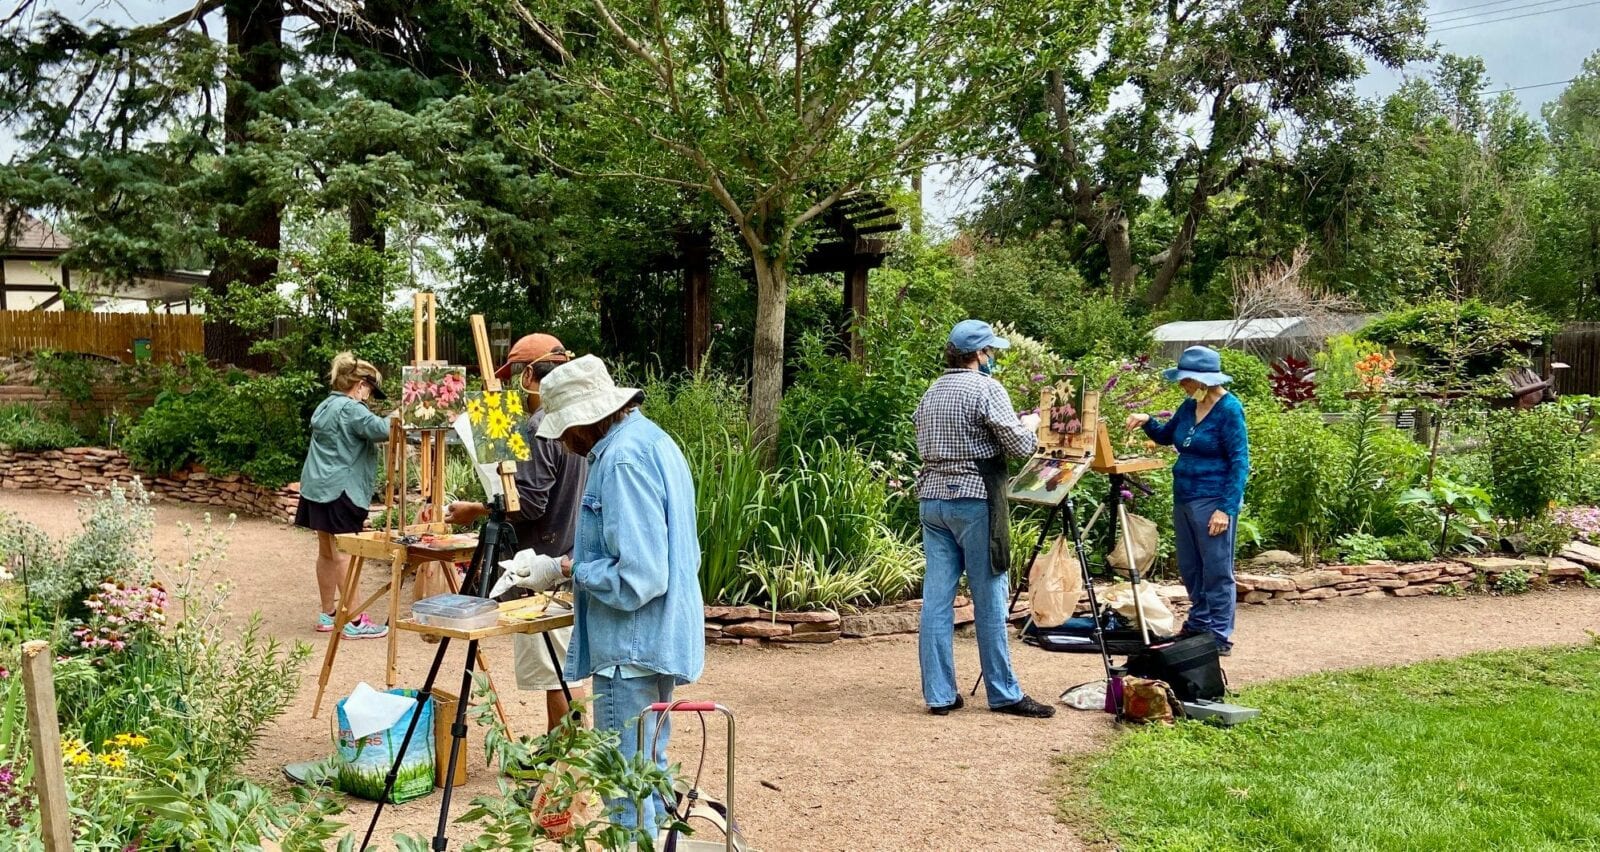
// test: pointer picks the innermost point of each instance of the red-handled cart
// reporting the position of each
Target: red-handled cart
(692, 804)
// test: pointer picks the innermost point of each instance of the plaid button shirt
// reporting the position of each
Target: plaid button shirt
(965, 416)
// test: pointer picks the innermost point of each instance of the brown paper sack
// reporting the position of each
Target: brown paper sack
(1054, 583)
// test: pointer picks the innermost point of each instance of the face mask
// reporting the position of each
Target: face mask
(1200, 395)
(987, 366)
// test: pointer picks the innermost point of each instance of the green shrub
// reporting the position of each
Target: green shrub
(1251, 382)
(231, 423)
(1543, 536)
(1534, 453)
(1513, 582)
(1381, 464)
(22, 427)
(1362, 547)
(1408, 548)
(1297, 471)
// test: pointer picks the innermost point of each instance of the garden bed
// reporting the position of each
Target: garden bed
(75, 469)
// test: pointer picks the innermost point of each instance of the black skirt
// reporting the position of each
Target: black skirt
(338, 517)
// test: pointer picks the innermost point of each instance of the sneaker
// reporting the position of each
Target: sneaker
(1026, 708)
(324, 622)
(945, 710)
(361, 627)
(1224, 650)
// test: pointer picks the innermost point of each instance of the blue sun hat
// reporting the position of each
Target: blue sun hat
(973, 335)
(1200, 363)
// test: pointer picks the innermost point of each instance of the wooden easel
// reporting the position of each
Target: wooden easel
(394, 543)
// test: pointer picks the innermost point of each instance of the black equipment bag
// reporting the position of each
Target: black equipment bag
(1076, 635)
(1189, 664)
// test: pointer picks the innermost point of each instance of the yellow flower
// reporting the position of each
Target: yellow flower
(518, 447)
(499, 425)
(114, 759)
(475, 411)
(128, 740)
(514, 405)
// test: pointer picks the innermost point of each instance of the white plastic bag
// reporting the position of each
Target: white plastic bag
(1054, 583)
(1157, 617)
(1146, 539)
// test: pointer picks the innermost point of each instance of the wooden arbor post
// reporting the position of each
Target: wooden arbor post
(696, 256)
(855, 306)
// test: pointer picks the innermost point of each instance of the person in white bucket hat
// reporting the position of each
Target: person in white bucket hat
(640, 621)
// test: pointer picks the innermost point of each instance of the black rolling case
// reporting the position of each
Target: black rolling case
(1188, 664)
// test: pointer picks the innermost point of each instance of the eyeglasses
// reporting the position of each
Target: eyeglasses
(1190, 437)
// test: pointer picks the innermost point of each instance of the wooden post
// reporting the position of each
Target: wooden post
(416, 328)
(855, 306)
(44, 737)
(696, 302)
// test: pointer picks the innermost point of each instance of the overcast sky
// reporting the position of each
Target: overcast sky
(1526, 45)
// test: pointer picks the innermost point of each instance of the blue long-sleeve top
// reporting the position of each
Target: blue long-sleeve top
(1213, 455)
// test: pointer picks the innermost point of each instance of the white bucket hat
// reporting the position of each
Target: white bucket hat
(578, 393)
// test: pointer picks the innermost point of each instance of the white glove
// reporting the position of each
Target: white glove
(1030, 422)
(528, 570)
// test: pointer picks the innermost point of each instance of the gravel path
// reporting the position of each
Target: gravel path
(838, 731)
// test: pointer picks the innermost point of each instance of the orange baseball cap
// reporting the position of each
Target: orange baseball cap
(532, 349)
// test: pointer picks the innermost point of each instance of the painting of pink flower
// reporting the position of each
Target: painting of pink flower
(432, 397)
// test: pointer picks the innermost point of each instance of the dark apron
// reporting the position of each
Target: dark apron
(996, 481)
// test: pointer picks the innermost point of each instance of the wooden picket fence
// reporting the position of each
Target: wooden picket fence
(107, 335)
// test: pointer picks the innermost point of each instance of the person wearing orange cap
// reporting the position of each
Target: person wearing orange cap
(550, 489)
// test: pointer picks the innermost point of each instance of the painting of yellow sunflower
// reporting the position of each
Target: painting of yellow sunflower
(494, 416)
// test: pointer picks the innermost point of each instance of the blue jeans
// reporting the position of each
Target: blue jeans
(618, 702)
(955, 539)
(1205, 562)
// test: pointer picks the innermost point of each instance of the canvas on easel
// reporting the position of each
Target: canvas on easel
(432, 395)
(1069, 417)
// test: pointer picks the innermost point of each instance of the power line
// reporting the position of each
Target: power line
(1534, 86)
(1452, 17)
(1447, 13)
(1517, 17)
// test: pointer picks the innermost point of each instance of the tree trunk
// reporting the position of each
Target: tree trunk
(1119, 250)
(766, 369)
(251, 225)
(365, 229)
(1178, 251)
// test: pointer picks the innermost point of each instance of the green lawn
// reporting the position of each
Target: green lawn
(1492, 751)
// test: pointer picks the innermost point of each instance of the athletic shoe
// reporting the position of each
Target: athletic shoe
(1026, 708)
(324, 622)
(945, 710)
(1225, 650)
(361, 627)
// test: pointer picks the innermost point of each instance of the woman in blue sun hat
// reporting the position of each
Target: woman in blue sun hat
(1208, 431)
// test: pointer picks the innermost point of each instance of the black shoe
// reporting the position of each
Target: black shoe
(945, 710)
(1224, 650)
(1026, 708)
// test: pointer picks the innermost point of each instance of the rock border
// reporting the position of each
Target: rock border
(75, 469)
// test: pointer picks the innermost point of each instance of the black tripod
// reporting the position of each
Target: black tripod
(497, 541)
(1069, 519)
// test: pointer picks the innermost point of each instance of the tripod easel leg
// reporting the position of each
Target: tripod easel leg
(423, 696)
(342, 616)
(458, 737)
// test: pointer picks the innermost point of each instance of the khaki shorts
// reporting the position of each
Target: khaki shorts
(534, 671)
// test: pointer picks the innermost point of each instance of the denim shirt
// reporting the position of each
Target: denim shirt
(636, 562)
(1213, 455)
(343, 456)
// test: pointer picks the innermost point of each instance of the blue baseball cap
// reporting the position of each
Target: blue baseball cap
(972, 335)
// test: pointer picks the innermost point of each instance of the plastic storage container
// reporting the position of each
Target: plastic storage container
(457, 612)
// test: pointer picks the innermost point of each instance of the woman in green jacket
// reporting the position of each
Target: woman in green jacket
(338, 479)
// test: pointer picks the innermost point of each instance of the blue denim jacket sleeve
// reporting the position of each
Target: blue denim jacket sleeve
(634, 528)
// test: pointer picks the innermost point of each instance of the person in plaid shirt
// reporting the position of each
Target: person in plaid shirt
(965, 430)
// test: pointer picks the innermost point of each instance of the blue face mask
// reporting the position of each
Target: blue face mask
(987, 366)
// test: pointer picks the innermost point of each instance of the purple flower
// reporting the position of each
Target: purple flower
(1037, 377)
(1126, 494)
(1111, 384)
(1163, 414)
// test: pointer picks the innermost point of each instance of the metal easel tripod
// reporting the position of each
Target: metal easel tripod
(497, 541)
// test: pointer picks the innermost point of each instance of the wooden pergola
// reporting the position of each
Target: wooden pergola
(853, 245)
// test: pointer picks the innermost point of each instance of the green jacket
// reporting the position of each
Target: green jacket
(343, 458)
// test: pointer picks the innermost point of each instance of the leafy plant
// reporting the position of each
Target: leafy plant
(1291, 381)
(1451, 513)
(1335, 370)
(1408, 548)
(572, 765)
(1534, 453)
(1362, 547)
(1298, 470)
(23, 427)
(1439, 332)
(1250, 380)
(1543, 536)
(1513, 582)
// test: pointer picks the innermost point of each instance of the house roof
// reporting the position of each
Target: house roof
(1199, 331)
(35, 238)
